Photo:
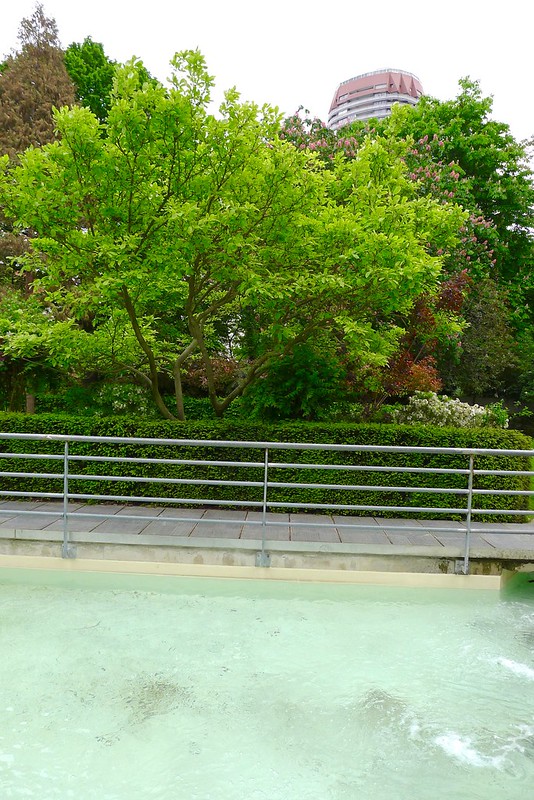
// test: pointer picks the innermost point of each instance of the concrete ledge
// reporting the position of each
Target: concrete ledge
(241, 554)
(249, 546)
(81, 565)
(246, 545)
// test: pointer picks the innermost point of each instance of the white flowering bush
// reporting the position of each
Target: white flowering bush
(122, 399)
(428, 408)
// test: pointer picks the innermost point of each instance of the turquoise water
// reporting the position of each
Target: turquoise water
(128, 688)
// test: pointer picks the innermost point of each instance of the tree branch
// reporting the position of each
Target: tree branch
(145, 347)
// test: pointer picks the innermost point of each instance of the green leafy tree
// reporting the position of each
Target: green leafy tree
(27, 362)
(91, 72)
(494, 182)
(454, 146)
(455, 152)
(307, 384)
(497, 177)
(487, 359)
(177, 225)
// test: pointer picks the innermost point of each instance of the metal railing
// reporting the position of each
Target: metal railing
(267, 493)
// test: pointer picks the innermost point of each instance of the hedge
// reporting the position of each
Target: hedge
(235, 430)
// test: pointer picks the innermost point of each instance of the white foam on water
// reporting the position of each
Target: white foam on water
(517, 668)
(463, 751)
(525, 734)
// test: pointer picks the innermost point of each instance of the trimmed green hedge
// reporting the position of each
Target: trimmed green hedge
(338, 433)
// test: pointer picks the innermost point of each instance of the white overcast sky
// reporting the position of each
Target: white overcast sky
(295, 52)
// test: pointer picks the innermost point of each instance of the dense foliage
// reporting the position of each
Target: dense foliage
(454, 150)
(398, 435)
(152, 252)
(92, 73)
(181, 236)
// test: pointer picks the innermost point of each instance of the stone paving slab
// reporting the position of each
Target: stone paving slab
(164, 526)
(18, 505)
(37, 522)
(363, 537)
(10, 516)
(277, 531)
(458, 539)
(104, 509)
(222, 530)
(83, 524)
(377, 533)
(87, 524)
(140, 511)
(324, 532)
(513, 527)
(366, 530)
(120, 522)
(403, 532)
(510, 540)
(398, 522)
(49, 515)
(414, 538)
(442, 523)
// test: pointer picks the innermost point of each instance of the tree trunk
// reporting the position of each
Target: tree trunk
(16, 389)
(180, 411)
(145, 347)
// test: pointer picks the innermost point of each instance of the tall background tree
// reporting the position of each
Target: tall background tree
(33, 81)
(495, 183)
(91, 72)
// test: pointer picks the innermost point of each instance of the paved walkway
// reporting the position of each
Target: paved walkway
(20, 518)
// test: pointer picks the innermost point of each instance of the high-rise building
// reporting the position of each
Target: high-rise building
(372, 95)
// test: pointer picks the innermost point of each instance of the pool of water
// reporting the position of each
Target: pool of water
(135, 688)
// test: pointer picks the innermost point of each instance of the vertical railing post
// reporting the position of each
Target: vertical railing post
(262, 558)
(65, 550)
(469, 513)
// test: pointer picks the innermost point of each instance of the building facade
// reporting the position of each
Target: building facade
(371, 96)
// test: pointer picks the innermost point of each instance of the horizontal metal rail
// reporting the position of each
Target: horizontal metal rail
(367, 468)
(364, 488)
(360, 448)
(30, 495)
(31, 475)
(271, 457)
(169, 481)
(35, 456)
(170, 461)
(282, 465)
(270, 484)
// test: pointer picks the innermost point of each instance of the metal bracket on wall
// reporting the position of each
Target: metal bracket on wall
(459, 567)
(68, 551)
(263, 559)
